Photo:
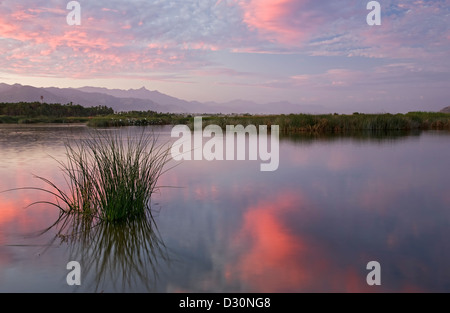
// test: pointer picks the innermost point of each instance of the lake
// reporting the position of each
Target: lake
(334, 204)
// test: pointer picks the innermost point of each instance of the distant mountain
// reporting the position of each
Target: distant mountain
(445, 110)
(235, 106)
(4, 87)
(19, 93)
(117, 104)
(145, 94)
(143, 100)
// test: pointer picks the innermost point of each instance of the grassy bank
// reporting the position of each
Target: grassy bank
(292, 123)
(289, 124)
(334, 123)
(36, 112)
(138, 119)
(41, 120)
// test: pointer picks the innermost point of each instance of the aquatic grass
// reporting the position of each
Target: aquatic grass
(109, 178)
(339, 123)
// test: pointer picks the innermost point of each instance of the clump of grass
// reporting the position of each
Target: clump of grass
(109, 177)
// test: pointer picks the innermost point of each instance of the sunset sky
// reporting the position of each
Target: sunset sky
(304, 51)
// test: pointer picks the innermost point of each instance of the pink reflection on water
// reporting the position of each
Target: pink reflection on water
(17, 216)
(275, 260)
(273, 257)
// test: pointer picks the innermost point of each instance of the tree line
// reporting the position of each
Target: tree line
(37, 109)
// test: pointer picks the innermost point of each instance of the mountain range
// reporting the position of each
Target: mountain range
(143, 100)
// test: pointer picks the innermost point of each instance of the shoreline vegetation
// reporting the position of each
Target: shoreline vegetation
(37, 112)
(102, 116)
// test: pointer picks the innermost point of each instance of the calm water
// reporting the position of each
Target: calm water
(334, 204)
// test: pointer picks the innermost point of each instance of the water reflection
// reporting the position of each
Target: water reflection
(313, 225)
(366, 136)
(119, 256)
(335, 203)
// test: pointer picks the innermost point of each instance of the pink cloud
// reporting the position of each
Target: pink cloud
(37, 47)
(284, 21)
(22, 16)
(81, 51)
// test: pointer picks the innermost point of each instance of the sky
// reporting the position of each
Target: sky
(320, 53)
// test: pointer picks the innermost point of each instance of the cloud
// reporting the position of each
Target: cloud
(171, 30)
(117, 37)
(284, 21)
(188, 40)
(409, 30)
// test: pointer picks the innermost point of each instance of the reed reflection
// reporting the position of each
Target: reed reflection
(121, 256)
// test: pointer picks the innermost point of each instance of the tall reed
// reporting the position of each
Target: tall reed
(109, 177)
